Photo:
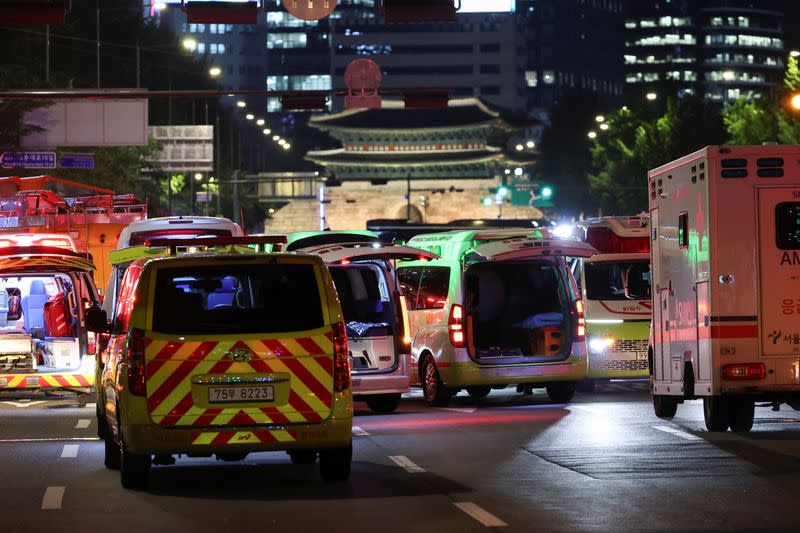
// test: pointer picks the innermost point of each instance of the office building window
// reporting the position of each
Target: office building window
(287, 40)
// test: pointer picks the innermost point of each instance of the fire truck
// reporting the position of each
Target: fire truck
(615, 287)
(91, 216)
(725, 240)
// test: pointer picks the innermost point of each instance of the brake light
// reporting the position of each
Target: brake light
(580, 321)
(455, 325)
(406, 333)
(341, 359)
(5, 243)
(136, 375)
(744, 371)
(91, 343)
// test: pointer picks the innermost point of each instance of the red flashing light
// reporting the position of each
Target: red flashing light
(605, 241)
(455, 324)
(341, 359)
(136, 373)
(580, 321)
(744, 371)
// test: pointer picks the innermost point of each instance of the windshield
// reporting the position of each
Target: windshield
(618, 280)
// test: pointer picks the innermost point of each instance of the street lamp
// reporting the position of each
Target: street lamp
(592, 134)
(260, 121)
(198, 176)
(599, 118)
(215, 72)
(249, 116)
(604, 126)
(276, 137)
(519, 147)
(530, 145)
(267, 131)
(795, 53)
(189, 44)
(651, 96)
(795, 102)
(241, 103)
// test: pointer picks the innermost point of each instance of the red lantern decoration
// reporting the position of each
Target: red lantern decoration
(310, 9)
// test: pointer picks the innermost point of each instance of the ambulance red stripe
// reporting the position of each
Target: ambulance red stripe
(299, 370)
(310, 346)
(181, 373)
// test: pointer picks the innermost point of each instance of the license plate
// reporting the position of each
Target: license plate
(240, 394)
(641, 356)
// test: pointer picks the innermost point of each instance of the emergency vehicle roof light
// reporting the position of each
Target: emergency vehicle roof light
(222, 12)
(608, 242)
(174, 244)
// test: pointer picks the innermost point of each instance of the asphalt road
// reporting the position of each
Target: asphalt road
(601, 463)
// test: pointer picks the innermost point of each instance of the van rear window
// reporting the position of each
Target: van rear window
(231, 299)
(787, 225)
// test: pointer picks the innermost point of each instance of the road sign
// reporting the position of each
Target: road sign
(28, 159)
(531, 194)
(84, 161)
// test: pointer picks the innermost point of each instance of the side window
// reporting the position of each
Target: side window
(434, 288)
(787, 225)
(409, 279)
(122, 316)
(683, 229)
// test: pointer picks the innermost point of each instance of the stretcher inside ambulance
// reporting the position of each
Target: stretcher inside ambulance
(43, 293)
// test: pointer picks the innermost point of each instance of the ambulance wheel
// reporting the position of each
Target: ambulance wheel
(561, 391)
(383, 403)
(334, 465)
(742, 414)
(112, 456)
(665, 406)
(303, 458)
(134, 470)
(433, 389)
(717, 413)
(479, 391)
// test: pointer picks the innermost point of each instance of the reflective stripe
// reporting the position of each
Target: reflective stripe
(243, 437)
(25, 381)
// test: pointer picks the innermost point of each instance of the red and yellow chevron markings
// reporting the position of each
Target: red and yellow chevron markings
(304, 361)
(254, 436)
(26, 381)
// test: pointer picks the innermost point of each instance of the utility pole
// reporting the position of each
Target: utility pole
(47, 54)
(138, 65)
(237, 215)
(218, 165)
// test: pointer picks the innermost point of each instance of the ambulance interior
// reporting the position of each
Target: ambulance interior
(37, 323)
(517, 309)
(617, 280)
(369, 315)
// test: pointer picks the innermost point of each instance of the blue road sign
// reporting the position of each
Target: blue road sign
(28, 159)
(85, 161)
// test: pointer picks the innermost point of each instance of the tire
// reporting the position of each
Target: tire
(134, 470)
(303, 458)
(436, 394)
(334, 465)
(742, 414)
(665, 406)
(586, 385)
(383, 403)
(479, 391)
(717, 413)
(561, 391)
(102, 424)
(111, 456)
(83, 398)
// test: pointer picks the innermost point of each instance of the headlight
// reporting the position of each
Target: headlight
(599, 344)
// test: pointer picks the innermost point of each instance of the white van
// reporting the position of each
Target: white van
(497, 308)
(375, 311)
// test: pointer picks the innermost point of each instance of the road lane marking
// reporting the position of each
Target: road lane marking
(358, 431)
(404, 462)
(586, 408)
(54, 439)
(480, 514)
(24, 404)
(70, 450)
(468, 410)
(83, 423)
(53, 497)
(677, 433)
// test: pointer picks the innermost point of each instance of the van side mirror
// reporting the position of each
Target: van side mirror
(97, 320)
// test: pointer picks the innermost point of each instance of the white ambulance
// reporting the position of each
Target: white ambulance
(615, 287)
(725, 242)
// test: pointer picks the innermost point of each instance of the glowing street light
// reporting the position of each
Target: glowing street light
(519, 147)
(795, 102)
(267, 131)
(198, 176)
(795, 53)
(241, 103)
(604, 126)
(189, 44)
(592, 134)
(287, 146)
(215, 72)
(651, 96)
(249, 116)
(260, 122)
(276, 137)
(530, 144)
(599, 118)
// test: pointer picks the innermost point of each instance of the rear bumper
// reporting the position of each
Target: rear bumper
(380, 384)
(469, 373)
(153, 439)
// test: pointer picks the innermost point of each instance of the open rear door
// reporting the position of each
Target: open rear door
(522, 248)
(349, 252)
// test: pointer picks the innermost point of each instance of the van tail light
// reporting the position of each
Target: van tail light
(455, 325)
(405, 334)
(744, 371)
(579, 321)
(136, 375)
(91, 343)
(341, 358)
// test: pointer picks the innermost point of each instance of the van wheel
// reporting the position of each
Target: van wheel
(334, 465)
(102, 423)
(383, 403)
(561, 391)
(479, 391)
(134, 470)
(111, 455)
(433, 389)
(665, 406)
(742, 414)
(717, 413)
(303, 458)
